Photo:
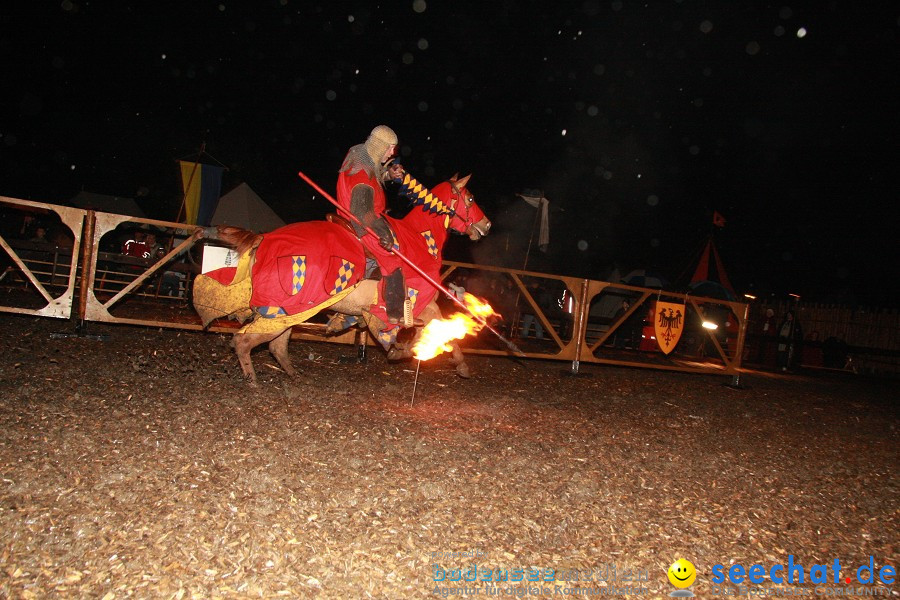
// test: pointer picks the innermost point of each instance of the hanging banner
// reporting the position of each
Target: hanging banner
(201, 185)
(543, 205)
(668, 325)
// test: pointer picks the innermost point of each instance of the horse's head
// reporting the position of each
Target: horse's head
(468, 219)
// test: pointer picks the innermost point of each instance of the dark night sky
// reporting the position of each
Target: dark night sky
(637, 118)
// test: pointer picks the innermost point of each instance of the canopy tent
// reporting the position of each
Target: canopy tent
(242, 207)
(711, 289)
(645, 278)
(110, 204)
(609, 300)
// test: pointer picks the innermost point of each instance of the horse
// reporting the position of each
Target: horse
(285, 277)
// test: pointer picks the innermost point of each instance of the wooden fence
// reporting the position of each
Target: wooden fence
(870, 335)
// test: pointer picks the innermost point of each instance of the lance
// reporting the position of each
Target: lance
(414, 266)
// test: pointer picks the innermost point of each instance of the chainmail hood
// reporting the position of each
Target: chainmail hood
(367, 156)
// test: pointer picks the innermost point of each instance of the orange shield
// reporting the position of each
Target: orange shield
(668, 324)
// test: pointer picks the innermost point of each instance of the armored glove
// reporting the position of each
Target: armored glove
(362, 205)
(385, 237)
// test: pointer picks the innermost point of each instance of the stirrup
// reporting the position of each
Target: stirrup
(407, 313)
(407, 320)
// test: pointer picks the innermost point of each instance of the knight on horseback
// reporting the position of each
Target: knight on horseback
(360, 192)
(285, 277)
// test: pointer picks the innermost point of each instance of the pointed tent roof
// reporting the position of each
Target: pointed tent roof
(711, 271)
(242, 207)
(110, 204)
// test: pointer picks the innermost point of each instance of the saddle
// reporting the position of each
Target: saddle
(374, 273)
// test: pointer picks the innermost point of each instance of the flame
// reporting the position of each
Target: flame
(438, 333)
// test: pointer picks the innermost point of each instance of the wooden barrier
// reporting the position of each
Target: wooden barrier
(121, 289)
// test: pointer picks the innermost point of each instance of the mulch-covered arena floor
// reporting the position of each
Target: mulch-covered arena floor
(143, 466)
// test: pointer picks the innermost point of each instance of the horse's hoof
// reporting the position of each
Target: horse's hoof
(395, 354)
(462, 369)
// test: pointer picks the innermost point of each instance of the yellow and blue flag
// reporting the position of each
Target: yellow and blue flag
(202, 185)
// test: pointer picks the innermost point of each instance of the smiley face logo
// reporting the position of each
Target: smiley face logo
(682, 573)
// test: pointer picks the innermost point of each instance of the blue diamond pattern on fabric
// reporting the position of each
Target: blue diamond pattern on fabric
(386, 338)
(430, 243)
(299, 269)
(345, 274)
(270, 312)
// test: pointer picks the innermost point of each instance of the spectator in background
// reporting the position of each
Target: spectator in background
(40, 235)
(156, 249)
(540, 296)
(624, 331)
(767, 333)
(790, 336)
(26, 228)
(137, 246)
(567, 307)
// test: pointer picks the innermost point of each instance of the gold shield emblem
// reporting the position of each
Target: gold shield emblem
(668, 325)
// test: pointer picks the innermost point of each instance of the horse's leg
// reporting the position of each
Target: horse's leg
(457, 358)
(279, 349)
(362, 339)
(243, 343)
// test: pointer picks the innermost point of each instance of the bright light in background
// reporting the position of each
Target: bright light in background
(710, 325)
(564, 132)
(749, 296)
(801, 33)
(797, 296)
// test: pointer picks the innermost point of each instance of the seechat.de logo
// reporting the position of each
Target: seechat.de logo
(795, 573)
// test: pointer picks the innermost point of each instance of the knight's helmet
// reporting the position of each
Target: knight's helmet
(381, 138)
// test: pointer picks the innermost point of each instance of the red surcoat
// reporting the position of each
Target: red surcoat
(346, 182)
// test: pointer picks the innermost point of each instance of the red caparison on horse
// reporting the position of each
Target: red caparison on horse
(285, 277)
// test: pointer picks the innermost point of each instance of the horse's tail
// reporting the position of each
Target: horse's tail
(241, 240)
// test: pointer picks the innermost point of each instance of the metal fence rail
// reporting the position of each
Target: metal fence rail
(581, 335)
(54, 295)
(572, 313)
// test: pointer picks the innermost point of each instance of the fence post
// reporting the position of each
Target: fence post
(87, 247)
(580, 326)
(741, 343)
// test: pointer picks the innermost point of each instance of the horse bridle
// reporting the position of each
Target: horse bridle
(455, 197)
